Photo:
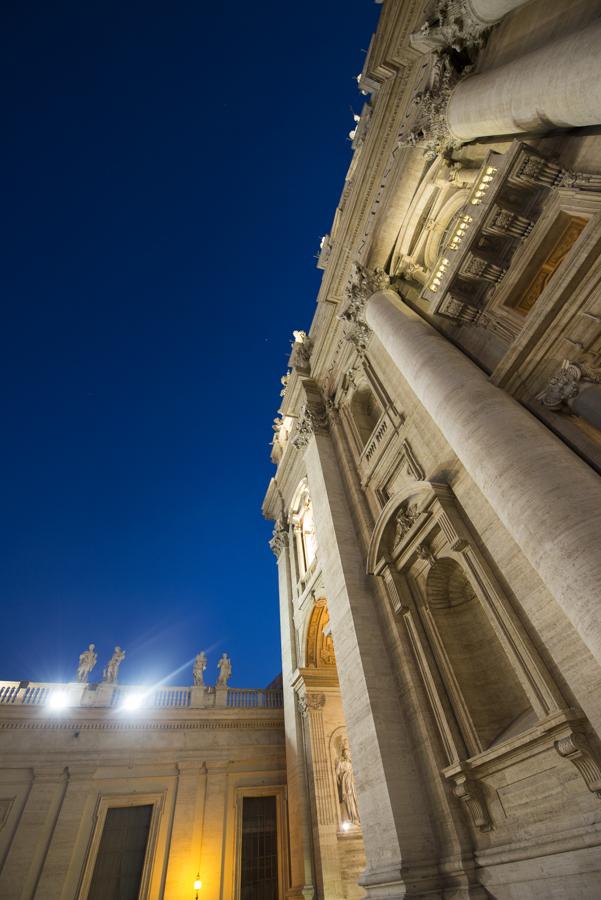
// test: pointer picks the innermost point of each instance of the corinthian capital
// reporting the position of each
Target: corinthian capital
(565, 385)
(363, 282)
(313, 420)
(279, 541)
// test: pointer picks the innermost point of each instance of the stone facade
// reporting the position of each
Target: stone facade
(191, 753)
(436, 496)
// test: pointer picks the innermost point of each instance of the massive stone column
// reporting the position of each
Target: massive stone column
(299, 829)
(399, 845)
(556, 86)
(488, 12)
(547, 498)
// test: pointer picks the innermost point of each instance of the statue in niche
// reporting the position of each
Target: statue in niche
(200, 664)
(87, 661)
(225, 670)
(111, 670)
(405, 520)
(345, 779)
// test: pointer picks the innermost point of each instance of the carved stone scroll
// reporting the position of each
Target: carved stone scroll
(575, 747)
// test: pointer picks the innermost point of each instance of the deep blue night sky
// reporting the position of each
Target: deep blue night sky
(168, 170)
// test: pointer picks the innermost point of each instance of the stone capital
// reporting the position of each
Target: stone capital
(564, 386)
(280, 539)
(312, 420)
(311, 702)
(363, 282)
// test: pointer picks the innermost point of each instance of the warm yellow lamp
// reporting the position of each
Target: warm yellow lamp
(197, 885)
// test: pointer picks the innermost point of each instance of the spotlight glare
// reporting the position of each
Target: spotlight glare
(58, 700)
(346, 826)
(132, 701)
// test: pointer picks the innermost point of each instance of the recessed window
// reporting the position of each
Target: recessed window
(118, 869)
(562, 238)
(259, 863)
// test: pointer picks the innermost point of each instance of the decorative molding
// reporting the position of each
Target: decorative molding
(575, 747)
(5, 808)
(363, 282)
(413, 466)
(148, 725)
(280, 539)
(312, 420)
(405, 519)
(452, 24)
(424, 552)
(565, 384)
(470, 794)
(310, 702)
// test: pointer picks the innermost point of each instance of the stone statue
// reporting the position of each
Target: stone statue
(200, 664)
(405, 520)
(87, 661)
(111, 669)
(225, 670)
(346, 783)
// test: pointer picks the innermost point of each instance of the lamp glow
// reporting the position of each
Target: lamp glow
(346, 826)
(132, 701)
(58, 700)
(197, 885)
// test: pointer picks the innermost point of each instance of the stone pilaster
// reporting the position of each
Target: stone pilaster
(299, 828)
(311, 704)
(21, 871)
(399, 845)
(184, 843)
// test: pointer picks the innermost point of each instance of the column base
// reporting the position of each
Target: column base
(305, 892)
(389, 884)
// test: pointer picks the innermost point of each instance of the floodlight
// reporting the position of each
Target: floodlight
(58, 700)
(132, 701)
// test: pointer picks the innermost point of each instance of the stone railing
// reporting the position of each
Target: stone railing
(57, 696)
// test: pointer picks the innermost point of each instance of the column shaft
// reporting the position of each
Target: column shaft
(547, 498)
(556, 86)
(187, 822)
(399, 847)
(490, 11)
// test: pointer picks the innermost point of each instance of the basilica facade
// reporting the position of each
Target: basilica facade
(436, 498)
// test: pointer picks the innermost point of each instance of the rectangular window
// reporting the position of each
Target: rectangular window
(259, 864)
(120, 860)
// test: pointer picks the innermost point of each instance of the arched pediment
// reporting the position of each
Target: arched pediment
(399, 516)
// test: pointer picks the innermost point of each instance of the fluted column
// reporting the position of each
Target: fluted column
(399, 846)
(299, 829)
(556, 86)
(548, 499)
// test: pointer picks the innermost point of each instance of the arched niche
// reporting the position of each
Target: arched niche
(319, 643)
(435, 574)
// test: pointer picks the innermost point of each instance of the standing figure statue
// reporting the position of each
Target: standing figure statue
(346, 783)
(87, 661)
(200, 664)
(112, 667)
(225, 670)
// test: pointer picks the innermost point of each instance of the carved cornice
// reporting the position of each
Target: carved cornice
(280, 539)
(144, 725)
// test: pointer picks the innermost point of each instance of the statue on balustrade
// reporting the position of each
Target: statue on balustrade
(225, 670)
(200, 664)
(111, 669)
(87, 661)
(346, 784)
